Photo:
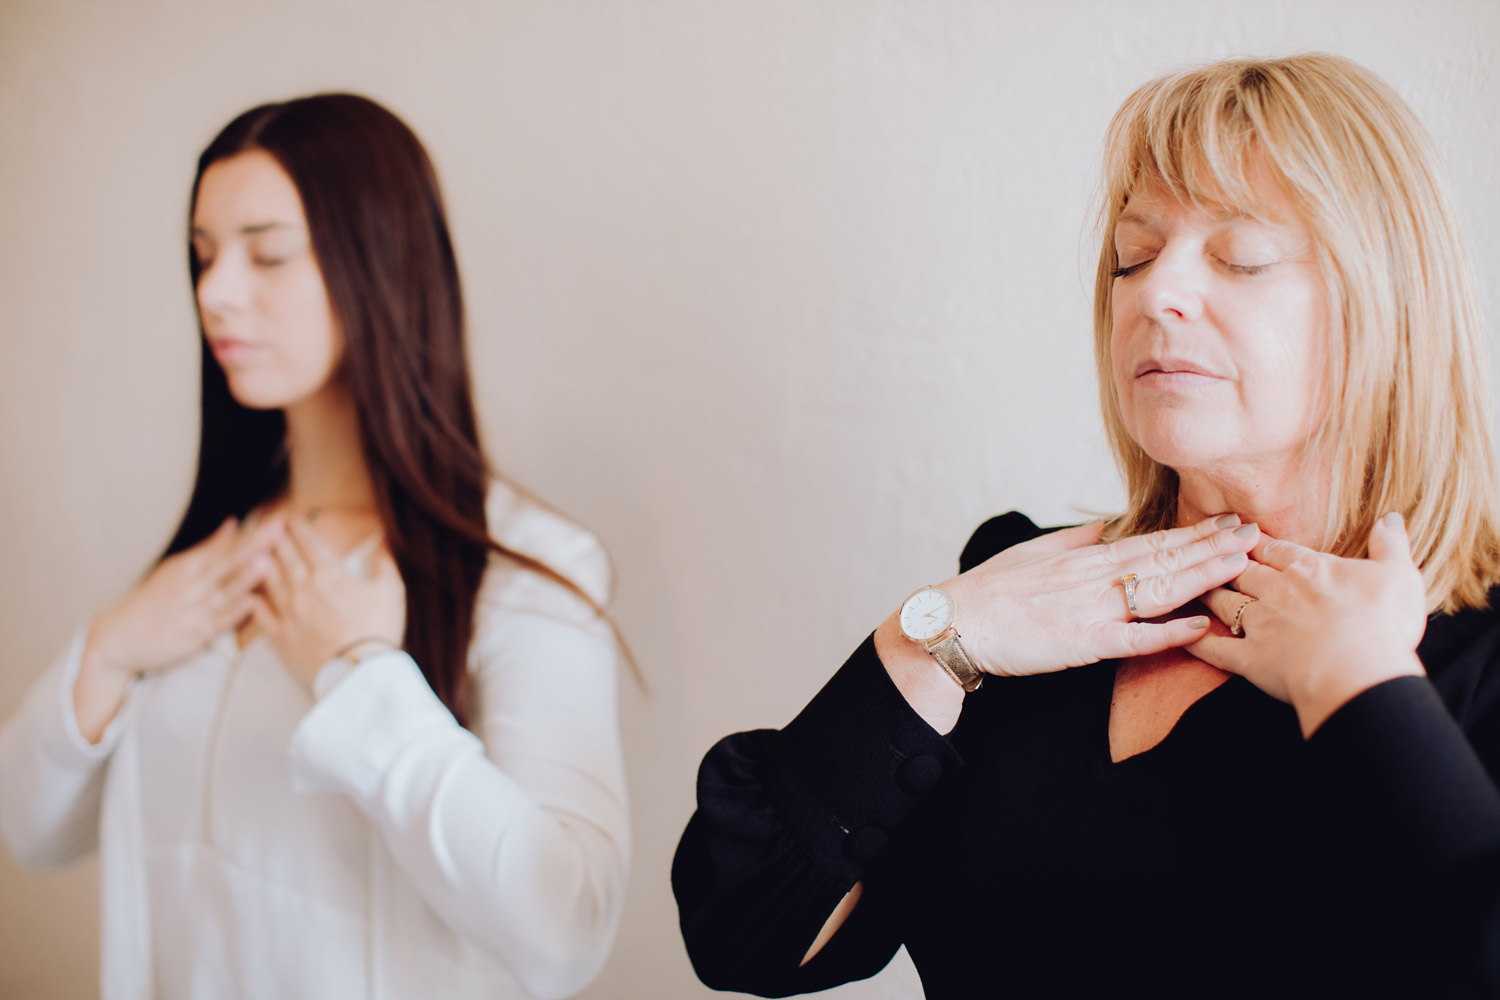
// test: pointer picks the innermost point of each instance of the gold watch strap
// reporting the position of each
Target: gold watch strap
(950, 654)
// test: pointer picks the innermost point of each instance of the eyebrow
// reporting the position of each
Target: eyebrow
(1129, 217)
(251, 230)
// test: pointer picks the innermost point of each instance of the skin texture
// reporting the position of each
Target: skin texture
(265, 311)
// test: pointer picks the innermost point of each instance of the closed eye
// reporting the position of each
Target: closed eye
(1125, 272)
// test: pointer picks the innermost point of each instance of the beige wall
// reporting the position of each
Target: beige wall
(781, 298)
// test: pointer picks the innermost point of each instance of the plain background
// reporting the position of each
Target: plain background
(780, 298)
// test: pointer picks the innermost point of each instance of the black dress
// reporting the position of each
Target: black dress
(1014, 859)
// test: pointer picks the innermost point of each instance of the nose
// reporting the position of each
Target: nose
(222, 286)
(1172, 289)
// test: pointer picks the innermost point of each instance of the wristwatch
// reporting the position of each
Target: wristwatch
(927, 617)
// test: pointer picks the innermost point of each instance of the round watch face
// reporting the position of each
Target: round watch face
(927, 614)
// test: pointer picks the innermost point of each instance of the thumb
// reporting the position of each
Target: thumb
(1388, 541)
(1077, 537)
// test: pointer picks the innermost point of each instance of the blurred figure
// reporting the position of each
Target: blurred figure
(356, 733)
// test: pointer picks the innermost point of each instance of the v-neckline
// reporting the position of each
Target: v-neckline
(1101, 723)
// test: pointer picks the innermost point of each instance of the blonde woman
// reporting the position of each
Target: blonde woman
(1239, 739)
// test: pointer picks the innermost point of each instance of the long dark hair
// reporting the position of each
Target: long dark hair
(378, 230)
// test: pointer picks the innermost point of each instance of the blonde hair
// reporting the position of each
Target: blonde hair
(1407, 397)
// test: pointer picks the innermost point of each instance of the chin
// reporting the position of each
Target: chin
(256, 394)
(1183, 443)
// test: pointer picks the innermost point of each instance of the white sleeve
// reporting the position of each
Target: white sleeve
(519, 841)
(51, 778)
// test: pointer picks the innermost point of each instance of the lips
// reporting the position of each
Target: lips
(1172, 366)
(229, 350)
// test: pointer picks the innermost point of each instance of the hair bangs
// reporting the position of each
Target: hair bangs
(1197, 138)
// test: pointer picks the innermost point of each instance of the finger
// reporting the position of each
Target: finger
(1277, 553)
(314, 548)
(266, 534)
(1226, 542)
(275, 586)
(210, 549)
(263, 616)
(1221, 651)
(1126, 550)
(223, 562)
(1388, 541)
(1143, 638)
(223, 534)
(294, 567)
(1076, 537)
(234, 614)
(1226, 603)
(246, 575)
(1209, 563)
(1256, 580)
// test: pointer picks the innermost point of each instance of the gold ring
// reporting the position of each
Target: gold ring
(1235, 628)
(1128, 581)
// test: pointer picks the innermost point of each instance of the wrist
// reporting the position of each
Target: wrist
(101, 657)
(926, 686)
(1326, 691)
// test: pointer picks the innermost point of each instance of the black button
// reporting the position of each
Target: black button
(866, 844)
(919, 774)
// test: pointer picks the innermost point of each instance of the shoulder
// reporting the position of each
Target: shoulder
(996, 535)
(1461, 653)
(528, 527)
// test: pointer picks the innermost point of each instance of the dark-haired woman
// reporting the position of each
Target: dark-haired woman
(356, 733)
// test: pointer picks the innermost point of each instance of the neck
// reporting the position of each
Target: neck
(1289, 503)
(326, 467)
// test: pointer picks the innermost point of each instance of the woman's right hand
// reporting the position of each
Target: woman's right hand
(187, 600)
(1056, 601)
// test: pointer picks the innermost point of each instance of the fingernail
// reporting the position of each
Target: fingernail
(1394, 520)
(1236, 559)
(1199, 622)
(1227, 521)
(1248, 531)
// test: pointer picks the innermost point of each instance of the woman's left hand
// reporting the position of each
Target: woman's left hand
(311, 608)
(1319, 629)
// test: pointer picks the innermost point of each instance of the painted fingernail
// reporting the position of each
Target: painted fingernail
(1236, 559)
(1227, 521)
(1199, 622)
(1394, 520)
(1247, 531)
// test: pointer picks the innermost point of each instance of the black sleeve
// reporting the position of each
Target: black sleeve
(1416, 820)
(788, 821)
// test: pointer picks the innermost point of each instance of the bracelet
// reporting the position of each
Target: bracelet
(346, 651)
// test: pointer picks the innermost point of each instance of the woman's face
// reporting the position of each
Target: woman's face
(1219, 337)
(261, 296)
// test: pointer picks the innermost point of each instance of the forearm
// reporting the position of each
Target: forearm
(788, 822)
(51, 779)
(533, 874)
(1414, 819)
(99, 691)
